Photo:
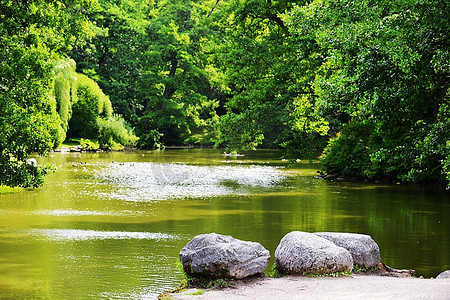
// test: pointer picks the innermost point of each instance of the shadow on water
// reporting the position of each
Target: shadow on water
(112, 224)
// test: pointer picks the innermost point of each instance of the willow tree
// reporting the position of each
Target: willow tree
(34, 36)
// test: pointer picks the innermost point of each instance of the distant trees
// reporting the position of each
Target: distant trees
(151, 58)
(364, 83)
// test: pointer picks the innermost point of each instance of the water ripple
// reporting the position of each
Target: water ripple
(158, 181)
(83, 235)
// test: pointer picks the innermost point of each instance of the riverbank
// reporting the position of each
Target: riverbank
(302, 287)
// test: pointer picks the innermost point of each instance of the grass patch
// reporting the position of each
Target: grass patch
(9, 190)
(199, 292)
(71, 142)
(334, 274)
(366, 270)
(275, 272)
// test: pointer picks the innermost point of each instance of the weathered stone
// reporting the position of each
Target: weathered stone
(76, 149)
(219, 256)
(365, 252)
(444, 275)
(302, 252)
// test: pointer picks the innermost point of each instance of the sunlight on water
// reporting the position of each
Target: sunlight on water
(76, 213)
(111, 225)
(156, 181)
(81, 235)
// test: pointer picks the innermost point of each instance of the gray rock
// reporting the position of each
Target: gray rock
(76, 149)
(302, 252)
(444, 275)
(219, 256)
(365, 252)
(62, 149)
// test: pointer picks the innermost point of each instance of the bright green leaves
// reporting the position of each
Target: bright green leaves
(306, 119)
(34, 36)
(91, 104)
(379, 84)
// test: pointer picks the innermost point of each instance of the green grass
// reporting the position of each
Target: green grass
(70, 142)
(274, 272)
(367, 270)
(334, 274)
(199, 292)
(9, 190)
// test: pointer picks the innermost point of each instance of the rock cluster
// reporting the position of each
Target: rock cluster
(303, 252)
(220, 256)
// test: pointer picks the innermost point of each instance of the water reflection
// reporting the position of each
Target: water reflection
(161, 181)
(114, 228)
(83, 235)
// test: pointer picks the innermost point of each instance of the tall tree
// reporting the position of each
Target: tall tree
(385, 80)
(270, 78)
(34, 36)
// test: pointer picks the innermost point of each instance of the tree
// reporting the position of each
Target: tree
(150, 57)
(383, 84)
(34, 35)
(270, 78)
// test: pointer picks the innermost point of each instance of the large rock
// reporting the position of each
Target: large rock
(365, 252)
(219, 256)
(302, 252)
(444, 275)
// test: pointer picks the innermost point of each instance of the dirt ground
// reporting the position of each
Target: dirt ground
(302, 287)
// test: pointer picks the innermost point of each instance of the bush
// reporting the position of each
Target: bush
(90, 105)
(115, 133)
(348, 152)
(89, 145)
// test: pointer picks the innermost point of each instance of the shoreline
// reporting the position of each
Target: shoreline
(357, 286)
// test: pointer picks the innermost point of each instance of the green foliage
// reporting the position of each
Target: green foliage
(239, 132)
(367, 270)
(65, 92)
(348, 152)
(114, 132)
(275, 272)
(370, 78)
(34, 36)
(150, 58)
(89, 145)
(334, 274)
(91, 104)
(382, 68)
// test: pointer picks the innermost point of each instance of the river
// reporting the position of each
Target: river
(111, 225)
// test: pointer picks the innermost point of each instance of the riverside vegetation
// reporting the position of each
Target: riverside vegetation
(366, 84)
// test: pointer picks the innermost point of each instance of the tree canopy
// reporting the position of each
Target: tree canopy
(363, 84)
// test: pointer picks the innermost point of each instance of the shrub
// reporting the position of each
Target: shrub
(89, 145)
(114, 133)
(348, 152)
(91, 104)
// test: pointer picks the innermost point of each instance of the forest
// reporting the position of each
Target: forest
(362, 85)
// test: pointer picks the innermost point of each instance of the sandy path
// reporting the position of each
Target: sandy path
(356, 287)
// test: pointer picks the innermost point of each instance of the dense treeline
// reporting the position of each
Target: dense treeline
(364, 83)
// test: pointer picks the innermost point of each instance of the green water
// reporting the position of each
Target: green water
(112, 226)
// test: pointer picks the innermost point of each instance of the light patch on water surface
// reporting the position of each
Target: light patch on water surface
(159, 181)
(83, 235)
(76, 213)
(72, 212)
